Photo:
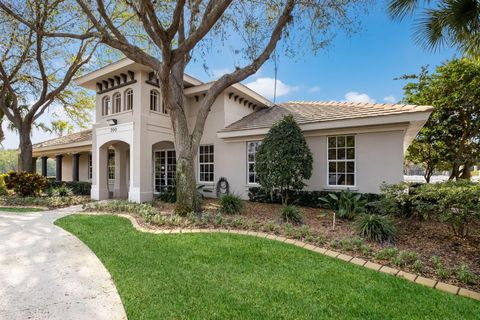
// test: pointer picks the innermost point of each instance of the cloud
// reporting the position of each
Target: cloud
(358, 97)
(390, 99)
(313, 89)
(265, 87)
(217, 73)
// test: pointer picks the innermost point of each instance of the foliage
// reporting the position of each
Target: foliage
(300, 198)
(452, 23)
(61, 191)
(79, 188)
(387, 253)
(397, 199)
(291, 214)
(8, 160)
(3, 186)
(284, 160)
(230, 204)
(452, 133)
(465, 275)
(168, 195)
(405, 258)
(25, 184)
(417, 266)
(134, 259)
(375, 227)
(145, 210)
(348, 205)
(49, 202)
(441, 271)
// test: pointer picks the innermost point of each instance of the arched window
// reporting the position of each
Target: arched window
(117, 102)
(106, 106)
(128, 99)
(154, 99)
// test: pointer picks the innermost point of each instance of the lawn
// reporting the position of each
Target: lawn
(20, 209)
(223, 276)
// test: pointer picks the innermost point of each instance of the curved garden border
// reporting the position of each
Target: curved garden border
(431, 283)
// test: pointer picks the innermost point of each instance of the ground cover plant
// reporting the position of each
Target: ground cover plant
(20, 209)
(219, 276)
(423, 238)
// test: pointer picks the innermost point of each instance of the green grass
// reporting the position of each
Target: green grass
(226, 276)
(20, 209)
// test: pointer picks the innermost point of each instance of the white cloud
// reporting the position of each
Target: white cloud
(217, 73)
(265, 87)
(390, 99)
(358, 97)
(314, 89)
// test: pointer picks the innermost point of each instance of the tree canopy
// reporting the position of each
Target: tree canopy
(284, 160)
(452, 133)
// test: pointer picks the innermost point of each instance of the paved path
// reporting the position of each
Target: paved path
(46, 273)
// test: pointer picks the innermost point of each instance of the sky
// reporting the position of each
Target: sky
(359, 68)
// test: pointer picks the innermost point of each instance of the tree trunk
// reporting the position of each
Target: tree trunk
(25, 160)
(455, 171)
(466, 173)
(187, 200)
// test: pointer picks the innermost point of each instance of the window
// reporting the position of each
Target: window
(128, 99)
(341, 161)
(206, 163)
(111, 164)
(90, 164)
(165, 170)
(106, 106)
(117, 102)
(154, 98)
(252, 149)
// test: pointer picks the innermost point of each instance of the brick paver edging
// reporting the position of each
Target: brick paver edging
(431, 283)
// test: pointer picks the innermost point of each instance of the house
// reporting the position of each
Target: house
(129, 153)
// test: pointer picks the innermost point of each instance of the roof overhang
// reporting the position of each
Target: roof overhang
(66, 148)
(89, 80)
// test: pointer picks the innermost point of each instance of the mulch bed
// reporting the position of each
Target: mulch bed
(426, 238)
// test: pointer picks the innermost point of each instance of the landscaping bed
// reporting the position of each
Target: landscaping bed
(228, 276)
(422, 239)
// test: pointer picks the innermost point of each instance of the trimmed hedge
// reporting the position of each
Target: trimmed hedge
(79, 188)
(300, 198)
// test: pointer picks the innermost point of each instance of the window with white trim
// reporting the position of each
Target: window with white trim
(154, 99)
(90, 166)
(117, 102)
(206, 163)
(106, 106)
(111, 164)
(128, 99)
(341, 160)
(252, 149)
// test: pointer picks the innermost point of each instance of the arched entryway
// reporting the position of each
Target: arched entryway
(114, 170)
(164, 166)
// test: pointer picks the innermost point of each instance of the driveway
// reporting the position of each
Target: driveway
(46, 273)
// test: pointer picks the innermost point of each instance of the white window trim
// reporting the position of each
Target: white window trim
(104, 109)
(125, 95)
(198, 164)
(336, 186)
(116, 94)
(248, 162)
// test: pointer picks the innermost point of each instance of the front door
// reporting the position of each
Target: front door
(164, 170)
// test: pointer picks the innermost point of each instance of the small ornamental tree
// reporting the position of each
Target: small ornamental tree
(284, 159)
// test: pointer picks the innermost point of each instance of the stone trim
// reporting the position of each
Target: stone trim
(431, 283)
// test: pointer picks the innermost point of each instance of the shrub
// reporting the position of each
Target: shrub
(25, 184)
(441, 271)
(3, 187)
(465, 275)
(291, 214)
(61, 191)
(50, 202)
(405, 258)
(396, 199)
(79, 188)
(347, 205)
(387, 253)
(145, 210)
(230, 204)
(375, 227)
(417, 266)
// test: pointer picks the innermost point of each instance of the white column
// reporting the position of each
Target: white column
(99, 176)
(120, 186)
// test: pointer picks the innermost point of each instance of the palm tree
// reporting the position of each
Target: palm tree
(454, 23)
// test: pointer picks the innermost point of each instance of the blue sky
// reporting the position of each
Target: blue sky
(359, 67)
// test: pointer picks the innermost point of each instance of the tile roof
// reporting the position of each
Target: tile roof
(320, 111)
(71, 138)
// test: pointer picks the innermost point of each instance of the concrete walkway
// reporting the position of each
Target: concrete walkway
(46, 273)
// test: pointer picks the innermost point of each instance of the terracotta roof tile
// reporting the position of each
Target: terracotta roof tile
(320, 111)
(71, 138)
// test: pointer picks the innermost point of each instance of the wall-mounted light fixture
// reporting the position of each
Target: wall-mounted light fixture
(112, 122)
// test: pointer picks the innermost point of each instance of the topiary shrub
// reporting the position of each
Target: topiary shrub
(25, 184)
(375, 227)
(230, 204)
(291, 214)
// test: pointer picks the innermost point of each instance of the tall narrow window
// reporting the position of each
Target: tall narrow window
(128, 99)
(341, 161)
(111, 164)
(206, 163)
(252, 148)
(106, 106)
(117, 102)
(154, 99)
(90, 166)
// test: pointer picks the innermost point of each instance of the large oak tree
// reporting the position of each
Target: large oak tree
(178, 31)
